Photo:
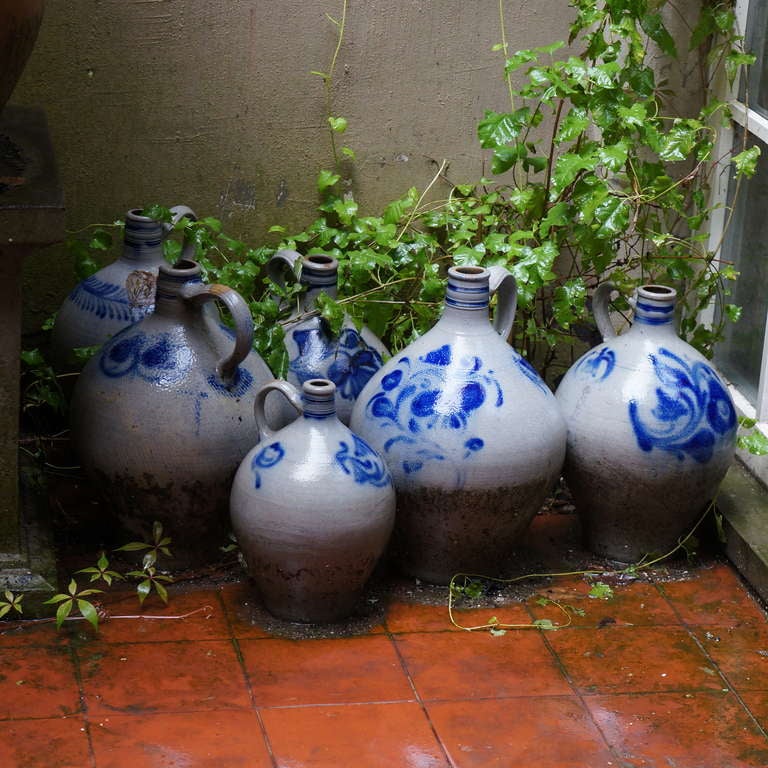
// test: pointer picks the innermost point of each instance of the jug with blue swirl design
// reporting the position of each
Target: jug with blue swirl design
(161, 415)
(651, 430)
(119, 294)
(473, 436)
(348, 359)
(312, 506)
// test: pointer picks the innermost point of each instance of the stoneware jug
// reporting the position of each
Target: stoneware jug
(162, 415)
(116, 296)
(472, 435)
(313, 507)
(651, 430)
(349, 359)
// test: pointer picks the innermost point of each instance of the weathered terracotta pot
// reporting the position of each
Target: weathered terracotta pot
(19, 24)
(651, 431)
(312, 506)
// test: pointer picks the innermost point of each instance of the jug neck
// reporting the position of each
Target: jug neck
(319, 274)
(318, 398)
(142, 240)
(466, 299)
(654, 310)
(171, 281)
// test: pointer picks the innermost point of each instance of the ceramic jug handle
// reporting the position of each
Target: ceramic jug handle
(276, 265)
(200, 293)
(600, 302)
(503, 283)
(179, 212)
(284, 387)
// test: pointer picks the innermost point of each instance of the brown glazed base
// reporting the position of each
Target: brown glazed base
(625, 519)
(440, 533)
(195, 515)
(318, 592)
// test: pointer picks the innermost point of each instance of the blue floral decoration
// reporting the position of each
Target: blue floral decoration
(106, 301)
(599, 363)
(237, 386)
(347, 360)
(157, 358)
(414, 401)
(362, 463)
(693, 409)
(268, 457)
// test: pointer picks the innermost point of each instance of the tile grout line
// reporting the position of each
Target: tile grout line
(417, 695)
(247, 680)
(83, 703)
(689, 629)
(576, 692)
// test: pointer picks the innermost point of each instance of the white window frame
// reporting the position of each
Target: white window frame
(757, 125)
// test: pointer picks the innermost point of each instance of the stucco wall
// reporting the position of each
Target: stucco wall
(212, 104)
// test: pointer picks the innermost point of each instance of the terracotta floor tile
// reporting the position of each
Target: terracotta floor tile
(694, 730)
(161, 677)
(472, 665)
(741, 653)
(339, 671)
(243, 610)
(413, 617)
(633, 659)
(207, 621)
(369, 735)
(507, 733)
(14, 634)
(37, 682)
(60, 742)
(714, 597)
(636, 604)
(199, 739)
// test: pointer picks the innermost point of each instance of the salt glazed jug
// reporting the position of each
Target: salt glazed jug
(162, 415)
(651, 430)
(349, 359)
(472, 435)
(312, 507)
(116, 296)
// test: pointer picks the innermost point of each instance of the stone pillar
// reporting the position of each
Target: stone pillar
(31, 216)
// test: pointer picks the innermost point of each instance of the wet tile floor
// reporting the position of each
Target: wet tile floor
(669, 672)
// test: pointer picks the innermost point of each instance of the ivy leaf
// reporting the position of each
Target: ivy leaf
(332, 312)
(338, 124)
(326, 179)
(544, 624)
(746, 162)
(613, 216)
(499, 128)
(755, 442)
(653, 26)
(600, 591)
(101, 240)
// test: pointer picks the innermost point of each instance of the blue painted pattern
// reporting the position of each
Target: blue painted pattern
(362, 463)
(107, 301)
(692, 412)
(156, 358)
(599, 363)
(237, 386)
(269, 456)
(413, 400)
(529, 371)
(346, 360)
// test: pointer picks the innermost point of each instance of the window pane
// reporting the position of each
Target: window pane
(746, 244)
(756, 41)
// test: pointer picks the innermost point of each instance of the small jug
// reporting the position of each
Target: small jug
(350, 358)
(313, 507)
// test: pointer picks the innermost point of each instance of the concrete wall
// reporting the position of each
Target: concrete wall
(212, 104)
